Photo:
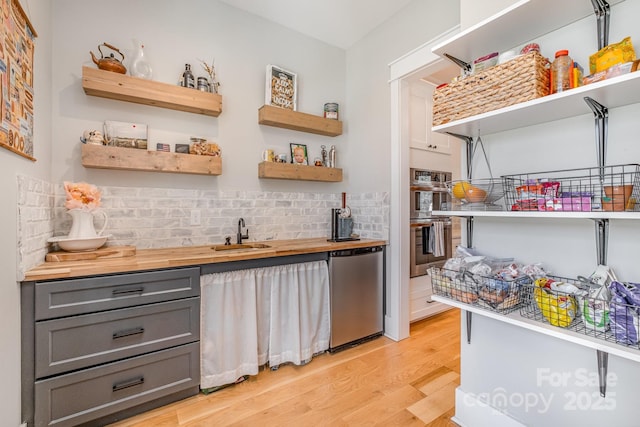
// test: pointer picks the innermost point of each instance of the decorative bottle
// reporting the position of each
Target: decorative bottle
(332, 156)
(139, 65)
(323, 153)
(187, 77)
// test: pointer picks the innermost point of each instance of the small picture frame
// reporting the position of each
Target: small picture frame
(281, 88)
(299, 154)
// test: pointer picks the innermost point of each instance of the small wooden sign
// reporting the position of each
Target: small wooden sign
(281, 88)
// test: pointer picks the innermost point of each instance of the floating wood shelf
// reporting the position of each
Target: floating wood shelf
(298, 172)
(107, 84)
(294, 120)
(104, 157)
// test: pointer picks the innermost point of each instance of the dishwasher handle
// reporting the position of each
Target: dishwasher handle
(355, 251)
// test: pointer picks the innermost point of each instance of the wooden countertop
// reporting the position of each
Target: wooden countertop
(149, 259)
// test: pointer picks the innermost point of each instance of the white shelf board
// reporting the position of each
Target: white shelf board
(515, 319)
(520, 23)
(614, 92)
(538, 214)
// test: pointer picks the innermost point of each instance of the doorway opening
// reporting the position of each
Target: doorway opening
(414, 74)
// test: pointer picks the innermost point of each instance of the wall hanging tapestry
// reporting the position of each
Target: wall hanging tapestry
(17, 38)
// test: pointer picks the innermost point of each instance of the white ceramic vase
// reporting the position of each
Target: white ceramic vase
(83, 227)
(139, 65)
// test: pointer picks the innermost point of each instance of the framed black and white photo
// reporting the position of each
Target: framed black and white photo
(281, 88)
(299, 154)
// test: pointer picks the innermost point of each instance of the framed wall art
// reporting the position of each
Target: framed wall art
(17, 44)
(299, 154)
(281, 88)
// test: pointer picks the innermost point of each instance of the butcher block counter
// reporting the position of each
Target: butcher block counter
(150, 259)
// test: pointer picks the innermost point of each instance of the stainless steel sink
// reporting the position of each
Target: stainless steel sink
(240, 247)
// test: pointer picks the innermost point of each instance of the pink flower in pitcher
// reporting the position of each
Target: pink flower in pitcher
(81, 195)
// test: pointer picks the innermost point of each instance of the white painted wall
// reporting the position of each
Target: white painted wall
(242, 45)
(368, 89)
(11, 165)
(505, 360)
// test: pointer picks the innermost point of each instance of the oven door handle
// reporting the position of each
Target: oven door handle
(426, 232)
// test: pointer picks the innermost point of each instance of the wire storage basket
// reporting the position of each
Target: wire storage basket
(609, 318)
(491, 293)
(476, 194)
(609, 188)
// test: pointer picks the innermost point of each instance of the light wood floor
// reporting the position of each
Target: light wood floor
(382, 382)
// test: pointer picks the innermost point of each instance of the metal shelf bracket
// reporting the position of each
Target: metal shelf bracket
(603, 364)
(466, 67)
(469, 151)
(601, 115)
(602, 239)
(602, 11)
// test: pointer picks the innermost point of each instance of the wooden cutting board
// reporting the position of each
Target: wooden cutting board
(107, 252)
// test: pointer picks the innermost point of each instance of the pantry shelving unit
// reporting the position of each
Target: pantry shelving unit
(294, 120)
(275, 170)
(514, 318)
(525, 21)
(616, 92)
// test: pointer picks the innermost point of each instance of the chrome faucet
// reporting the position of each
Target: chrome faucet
(240, 235)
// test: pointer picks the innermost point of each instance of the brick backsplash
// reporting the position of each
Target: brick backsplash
(35, 221)
(160, 217)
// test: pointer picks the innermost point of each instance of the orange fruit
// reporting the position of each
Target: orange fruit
(459, 189)
(475, 194)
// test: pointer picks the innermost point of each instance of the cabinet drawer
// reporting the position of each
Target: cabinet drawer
(78, 296)
(80, 341)
(71, 399)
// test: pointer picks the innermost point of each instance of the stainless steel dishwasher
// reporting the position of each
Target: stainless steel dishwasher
(357, 295)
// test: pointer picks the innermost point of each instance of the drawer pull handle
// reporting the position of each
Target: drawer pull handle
(128, 383)
(128, 332)
(119, 292)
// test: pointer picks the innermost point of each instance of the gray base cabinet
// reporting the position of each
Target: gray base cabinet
(96, 348)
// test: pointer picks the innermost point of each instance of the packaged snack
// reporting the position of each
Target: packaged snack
(531, 47)
(613, 54)
(485, 62)
(595, 309)
(556, 301)
(623, 312)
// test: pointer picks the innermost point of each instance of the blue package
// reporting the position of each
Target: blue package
(624, 312)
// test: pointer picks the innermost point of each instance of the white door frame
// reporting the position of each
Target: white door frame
(400, 71)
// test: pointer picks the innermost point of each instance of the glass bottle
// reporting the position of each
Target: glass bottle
(139, 65)
(561, 70)
(187, 77)
(332, 156)
(323, 153)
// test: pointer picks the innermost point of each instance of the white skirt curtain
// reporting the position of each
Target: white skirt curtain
(268, 315)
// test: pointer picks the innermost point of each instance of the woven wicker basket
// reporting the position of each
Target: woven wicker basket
(522, 79)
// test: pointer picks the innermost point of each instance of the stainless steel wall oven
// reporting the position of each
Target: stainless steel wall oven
(430, 236)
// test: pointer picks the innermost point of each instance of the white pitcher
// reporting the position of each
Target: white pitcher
(83, 227)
